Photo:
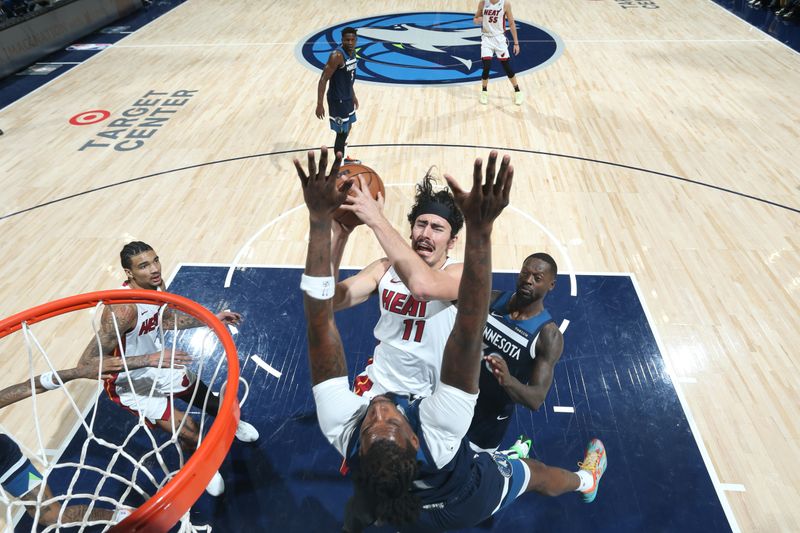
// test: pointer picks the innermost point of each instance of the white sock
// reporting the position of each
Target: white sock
(587, 480)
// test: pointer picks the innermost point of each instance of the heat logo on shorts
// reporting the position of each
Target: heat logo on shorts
(431, 48)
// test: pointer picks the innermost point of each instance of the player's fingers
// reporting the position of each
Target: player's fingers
(499, 183)
(477, 174)
(458, 192)
(323, 162)
(300, 172)
(490, 168)
(507, 184)
(337, 163)
(344, 189)
(363, 187)
(312, 166)
(380, 199)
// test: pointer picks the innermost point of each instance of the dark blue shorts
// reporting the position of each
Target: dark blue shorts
(342, 114)
(488, 427)
(495, 483)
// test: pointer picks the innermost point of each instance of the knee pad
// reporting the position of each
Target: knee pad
(487, 64)
(508, 69)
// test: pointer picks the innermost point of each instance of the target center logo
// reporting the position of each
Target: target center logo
(136, 125)
(89, 117)
(430, 48)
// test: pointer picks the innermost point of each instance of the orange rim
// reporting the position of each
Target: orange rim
(169, 504)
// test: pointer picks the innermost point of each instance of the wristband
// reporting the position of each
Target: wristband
(319, 288)
(46, 380)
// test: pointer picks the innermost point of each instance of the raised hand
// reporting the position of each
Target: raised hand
(319, 187)
(499, 368)
(486, 200)
(363, 205)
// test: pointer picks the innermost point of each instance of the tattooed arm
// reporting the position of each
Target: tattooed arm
(17, 392)
(106, 341)
(184, 321)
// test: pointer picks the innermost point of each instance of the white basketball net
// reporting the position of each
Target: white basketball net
(153, 469)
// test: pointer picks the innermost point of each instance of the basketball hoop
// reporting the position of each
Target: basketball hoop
(172, 501)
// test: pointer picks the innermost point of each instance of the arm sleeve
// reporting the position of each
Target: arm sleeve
(339, 411)
(445, 418)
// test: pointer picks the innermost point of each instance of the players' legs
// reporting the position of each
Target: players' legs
(189, 432)
(510, 73)
(550, 480)
(340, 142)
(211, 406)
(244, 432)
(553, 481)
(487, 65)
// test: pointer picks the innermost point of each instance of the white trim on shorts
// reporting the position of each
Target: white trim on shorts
(522, 488)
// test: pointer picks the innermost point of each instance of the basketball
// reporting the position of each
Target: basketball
(354, 171)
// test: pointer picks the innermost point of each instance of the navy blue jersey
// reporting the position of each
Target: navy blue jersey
(514, 341)
(464, 492)
(341, 83)
(433, 485)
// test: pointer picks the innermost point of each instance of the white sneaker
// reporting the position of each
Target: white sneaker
(216, 486)
(484, 97)
(518, 97)
(246, 432)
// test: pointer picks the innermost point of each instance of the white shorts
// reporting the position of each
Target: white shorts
(494, 45)
(139, 399)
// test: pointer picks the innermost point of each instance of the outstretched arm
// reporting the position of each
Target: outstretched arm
(174, 319)
(325, 350)
(548, 351)
(358, 287)
(106, 341)
(461, 360)
(20, 391)
(424, 282)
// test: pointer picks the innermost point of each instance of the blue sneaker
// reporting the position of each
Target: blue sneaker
(595, 463)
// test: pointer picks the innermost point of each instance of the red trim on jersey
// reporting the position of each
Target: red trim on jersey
(110, 386)
(361, 385)
(489, 58)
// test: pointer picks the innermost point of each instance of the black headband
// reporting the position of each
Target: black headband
(427, 207)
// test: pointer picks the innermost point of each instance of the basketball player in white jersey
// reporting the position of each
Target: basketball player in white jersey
(139, 323)
(492, 16)
(416, 287)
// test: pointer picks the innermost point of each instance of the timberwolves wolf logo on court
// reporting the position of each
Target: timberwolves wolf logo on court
(430, 48)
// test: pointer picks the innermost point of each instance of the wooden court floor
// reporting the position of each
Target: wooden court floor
(662, 142)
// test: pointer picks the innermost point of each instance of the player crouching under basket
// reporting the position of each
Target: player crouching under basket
(145, 388)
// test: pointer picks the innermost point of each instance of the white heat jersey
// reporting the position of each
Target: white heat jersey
(411, 335)
(494, 18)
(143, 339)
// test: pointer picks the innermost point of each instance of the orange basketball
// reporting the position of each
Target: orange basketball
(354, 171)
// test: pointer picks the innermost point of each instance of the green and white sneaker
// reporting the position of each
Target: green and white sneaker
(484, 97)
(520, 449)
